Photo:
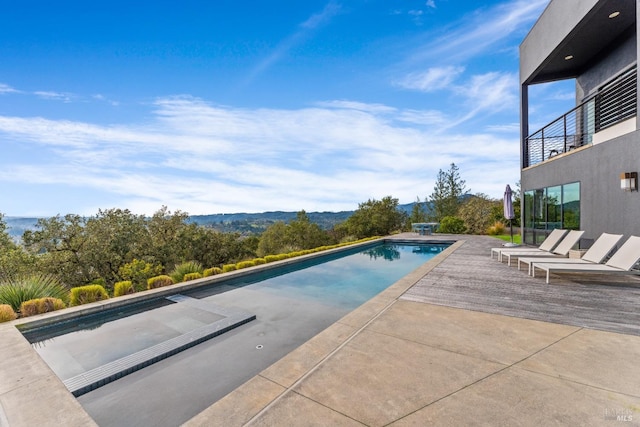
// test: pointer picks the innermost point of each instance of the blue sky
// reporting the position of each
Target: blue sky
(225, 106)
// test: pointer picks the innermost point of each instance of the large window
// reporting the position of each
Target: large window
(548, 208)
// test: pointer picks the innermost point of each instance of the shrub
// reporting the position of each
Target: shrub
(7, 313)
(259, 261)
(99, 281)
(346, 240)
(87, 294)
(123, 288)
(191, 276)
(211, 271)
(159, 281)
(496, 229)
(185, 268)
(271, 258)
(138, 272)
(244, 264)
(41, 305)
(479, 212)
(16, 291)
(452, 224)
(228, 267)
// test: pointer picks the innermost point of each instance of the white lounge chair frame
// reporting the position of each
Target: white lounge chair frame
(595, 255)
(547, 245)
(620, 263)
(562, 249)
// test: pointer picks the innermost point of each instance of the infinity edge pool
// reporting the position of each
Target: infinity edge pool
(35, 380)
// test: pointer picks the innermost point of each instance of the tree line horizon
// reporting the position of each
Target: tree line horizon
(105, 247)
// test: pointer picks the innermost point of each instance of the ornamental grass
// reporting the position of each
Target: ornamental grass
(7, 313)
(159, 281)
(87, 294)
(18, 290)
(41, 305)
(188, 267)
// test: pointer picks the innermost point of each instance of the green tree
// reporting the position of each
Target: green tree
(418, 212)
(14, 260)
(114, 237)
(304, 234)
(376, 218)
(479, 212)
(82, 250)
(517, 208)
(167, 232)
(452, 224)
(447, 193)
(212, 248)
(138, 271)
(299, 234)
(274, 240)
(6, 242)
(60, 244)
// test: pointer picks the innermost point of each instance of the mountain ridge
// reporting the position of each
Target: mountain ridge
(242, 222)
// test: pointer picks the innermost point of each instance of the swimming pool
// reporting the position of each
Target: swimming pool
(291, 305)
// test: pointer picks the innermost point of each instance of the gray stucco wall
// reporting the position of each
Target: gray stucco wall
(615, 62)
(604, 206)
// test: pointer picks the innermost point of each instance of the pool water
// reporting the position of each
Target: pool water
(342, 281)
(291, 305)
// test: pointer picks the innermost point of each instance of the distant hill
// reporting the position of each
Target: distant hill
(244, 223)
(16, 226)
(256, 223)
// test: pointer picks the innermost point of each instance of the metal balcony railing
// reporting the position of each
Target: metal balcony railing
(614, 102)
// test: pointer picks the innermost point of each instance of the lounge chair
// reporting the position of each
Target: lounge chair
(562, 249)
(620, 263)
(595, 255)
(547, 245)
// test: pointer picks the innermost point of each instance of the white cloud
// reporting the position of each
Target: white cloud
(354, 105)
(315, 21)
(204, 158)
(486, 94)
(423, 117)
(330, 10)
(475, 33)
(431, 4)
(433, 79)
(102, 98)
(55, 96)
(4, 88)
(512, 128)
(563, 96)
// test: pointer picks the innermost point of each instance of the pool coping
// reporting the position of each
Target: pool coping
(27, 377)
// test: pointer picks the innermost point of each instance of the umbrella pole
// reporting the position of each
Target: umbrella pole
(511, 227)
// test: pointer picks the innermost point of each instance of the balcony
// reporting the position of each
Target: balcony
(614, 103)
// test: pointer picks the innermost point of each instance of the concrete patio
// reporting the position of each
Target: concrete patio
(463, 340)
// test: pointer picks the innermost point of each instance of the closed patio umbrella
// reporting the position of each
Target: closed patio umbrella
(508, 209)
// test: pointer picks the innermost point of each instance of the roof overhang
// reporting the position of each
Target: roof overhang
(571, 47)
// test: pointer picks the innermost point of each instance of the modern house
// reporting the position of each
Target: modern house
(581, 170)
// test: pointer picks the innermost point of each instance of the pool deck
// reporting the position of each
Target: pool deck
(463, 340)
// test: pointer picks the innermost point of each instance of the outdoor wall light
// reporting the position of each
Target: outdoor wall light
(568, 57)
(614, 14)
(629, 181)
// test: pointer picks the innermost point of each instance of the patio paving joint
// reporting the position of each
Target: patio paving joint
(317, 365)
(505, 368)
